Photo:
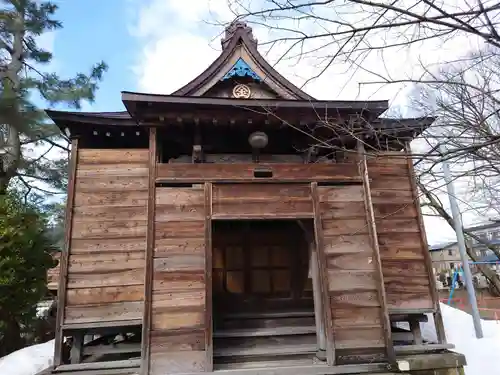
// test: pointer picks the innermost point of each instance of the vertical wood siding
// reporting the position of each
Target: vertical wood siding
(351, 273)
(178, 312)
(407, 281)
(108, 241)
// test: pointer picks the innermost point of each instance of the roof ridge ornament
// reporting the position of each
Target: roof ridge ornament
(231, 31)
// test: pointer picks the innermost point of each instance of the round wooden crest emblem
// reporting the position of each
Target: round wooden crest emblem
(241, 91)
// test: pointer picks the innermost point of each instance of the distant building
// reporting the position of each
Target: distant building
(446, 256)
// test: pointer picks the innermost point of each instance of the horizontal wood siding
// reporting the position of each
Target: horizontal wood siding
(107, 252)
(246, 201)
(406, 278)
(351, 273)
(178, 301)
(180, 172)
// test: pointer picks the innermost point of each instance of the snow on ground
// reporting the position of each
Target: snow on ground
(483, 355)
(28, 361)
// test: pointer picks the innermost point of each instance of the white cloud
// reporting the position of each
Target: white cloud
(175, 43)
(46, 40)
(163, 69)
(178, 39)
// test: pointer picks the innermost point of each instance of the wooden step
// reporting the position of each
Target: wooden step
(260, 346)
(240, 363)
(263, 332)
(264, 323)
(269, 314)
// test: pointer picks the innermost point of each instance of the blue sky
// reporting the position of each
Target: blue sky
(155, 46)
(149, 45)
(159, 45)
(95, 30)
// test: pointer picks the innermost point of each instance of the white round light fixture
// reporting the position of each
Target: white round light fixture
(258, 140)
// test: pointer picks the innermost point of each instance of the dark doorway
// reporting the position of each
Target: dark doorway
(262, 292)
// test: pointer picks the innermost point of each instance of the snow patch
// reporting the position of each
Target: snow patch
(482, 355)
(28, 361)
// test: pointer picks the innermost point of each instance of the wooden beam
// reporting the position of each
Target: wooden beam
(372, 229)
(395, 311)
(435, 361)
(99, 365)
(309, 369)
(424, 348)
(262, 216)
(97, 325)
(111, 371)
(438, 318)
(208, 277)
(245, 172)
(64, 261)
(321, 256)
(148, 274)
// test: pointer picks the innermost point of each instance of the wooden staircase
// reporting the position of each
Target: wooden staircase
(254, 339)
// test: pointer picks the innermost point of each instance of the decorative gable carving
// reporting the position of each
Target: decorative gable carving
(241, 69)
(240, 59)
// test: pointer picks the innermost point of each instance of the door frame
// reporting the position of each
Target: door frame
(326, 318)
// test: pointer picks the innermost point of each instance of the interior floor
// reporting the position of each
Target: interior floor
(263, 303)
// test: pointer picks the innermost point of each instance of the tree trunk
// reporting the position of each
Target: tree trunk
(10, 147)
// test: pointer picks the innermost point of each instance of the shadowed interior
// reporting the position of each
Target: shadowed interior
(263, 303)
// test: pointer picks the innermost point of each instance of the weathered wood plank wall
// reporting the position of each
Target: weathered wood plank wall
(293, 173)
(406, 275)
(178, 302)
(107, 249)
(250, 201)
(351, 272)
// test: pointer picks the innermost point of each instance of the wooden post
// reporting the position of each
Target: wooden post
(150, 241)
(64, 260)
(76, 353)
(372, 229)
(318, 305)
(208, 277)
(321, 264)
(438, 318)
(415, 330)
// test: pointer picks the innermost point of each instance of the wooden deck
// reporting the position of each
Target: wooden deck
(300, 365)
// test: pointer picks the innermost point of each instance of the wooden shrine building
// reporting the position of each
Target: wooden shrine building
(240, 226)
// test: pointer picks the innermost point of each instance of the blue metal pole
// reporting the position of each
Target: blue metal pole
(452, 288)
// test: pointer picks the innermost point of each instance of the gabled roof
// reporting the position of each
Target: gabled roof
(239, 48)
(205, 101)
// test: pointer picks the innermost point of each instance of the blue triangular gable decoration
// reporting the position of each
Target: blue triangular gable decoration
(241, 69)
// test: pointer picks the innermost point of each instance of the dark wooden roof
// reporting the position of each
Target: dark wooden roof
(182, 109)
(236, 33)
(150, 106)
(121, 118)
